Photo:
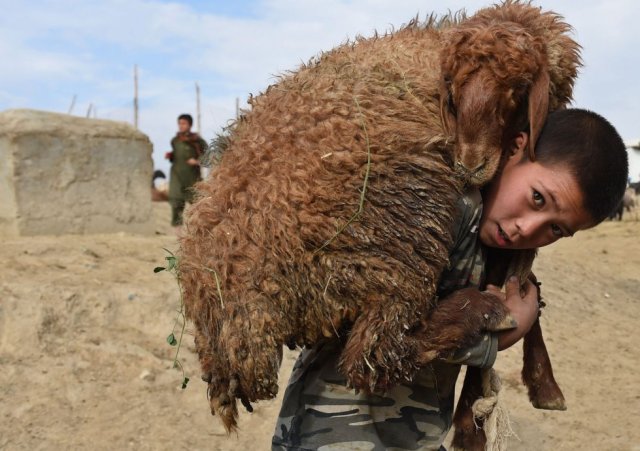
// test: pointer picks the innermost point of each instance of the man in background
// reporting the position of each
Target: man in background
(187, 148)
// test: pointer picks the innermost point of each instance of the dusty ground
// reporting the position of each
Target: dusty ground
(85, 364)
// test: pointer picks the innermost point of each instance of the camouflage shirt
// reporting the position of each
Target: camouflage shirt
(318, 411)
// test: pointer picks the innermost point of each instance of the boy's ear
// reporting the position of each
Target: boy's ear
(519, 145)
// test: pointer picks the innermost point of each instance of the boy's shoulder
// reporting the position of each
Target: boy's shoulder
(466, 256)
(468, 214)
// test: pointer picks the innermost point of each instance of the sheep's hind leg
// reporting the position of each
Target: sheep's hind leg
(469, 435)
(252, 381)
(537, 373)
(374, 357)
(220, 388)
(243, 366)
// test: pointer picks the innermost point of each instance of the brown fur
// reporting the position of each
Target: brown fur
(537, 59)
(365, 115)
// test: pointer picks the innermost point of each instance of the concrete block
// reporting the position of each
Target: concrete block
(61, 174)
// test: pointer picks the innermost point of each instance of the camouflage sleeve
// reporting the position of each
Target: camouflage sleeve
(482, 355)
(319, 411)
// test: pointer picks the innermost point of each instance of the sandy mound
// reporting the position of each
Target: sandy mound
(85, 364)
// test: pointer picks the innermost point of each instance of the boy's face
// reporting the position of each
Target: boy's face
(529, 205)
(183, 125)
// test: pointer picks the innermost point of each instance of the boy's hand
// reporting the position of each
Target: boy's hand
(523, 308)
(192, 162)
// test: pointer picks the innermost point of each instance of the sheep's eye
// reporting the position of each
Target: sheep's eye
(538, 199)
(451, 105)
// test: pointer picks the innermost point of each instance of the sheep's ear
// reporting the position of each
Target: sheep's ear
(538, 108)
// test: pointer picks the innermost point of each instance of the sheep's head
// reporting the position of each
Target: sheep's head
(563, 53)
(494, 81)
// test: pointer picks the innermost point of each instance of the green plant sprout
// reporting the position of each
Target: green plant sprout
(172, 267)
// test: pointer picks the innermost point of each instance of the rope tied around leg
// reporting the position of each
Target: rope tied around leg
(491, 409)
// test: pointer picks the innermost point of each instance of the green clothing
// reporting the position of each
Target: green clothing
(183, 175)
(319, 412)
(177, 210)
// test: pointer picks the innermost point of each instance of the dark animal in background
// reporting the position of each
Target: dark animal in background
(156, 194)
(627, 202)
(332, 207)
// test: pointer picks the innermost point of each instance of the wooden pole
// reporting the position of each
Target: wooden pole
(73, 103)
(198, 108)
(237, 107)
(89, 110)
(135, 96)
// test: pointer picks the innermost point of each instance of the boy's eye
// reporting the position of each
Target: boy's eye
(557, 231)
(538, 199)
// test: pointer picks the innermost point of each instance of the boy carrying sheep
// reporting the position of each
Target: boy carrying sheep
(578, 178)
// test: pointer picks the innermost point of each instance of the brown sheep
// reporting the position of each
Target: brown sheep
(273, 252)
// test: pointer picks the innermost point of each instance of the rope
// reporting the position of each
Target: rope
(491, 409)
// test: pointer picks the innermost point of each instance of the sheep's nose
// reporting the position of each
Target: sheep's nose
(471, 155)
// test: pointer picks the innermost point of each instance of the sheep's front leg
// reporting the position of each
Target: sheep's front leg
(537, 373)
(459, 321)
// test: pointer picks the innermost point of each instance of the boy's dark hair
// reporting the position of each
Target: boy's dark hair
(594, 152)
(186, 117)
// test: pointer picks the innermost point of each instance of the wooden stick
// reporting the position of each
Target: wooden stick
(73, 103)
(135, 96)
(198, 108)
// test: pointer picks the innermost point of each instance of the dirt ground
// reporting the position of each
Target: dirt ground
(85, 365)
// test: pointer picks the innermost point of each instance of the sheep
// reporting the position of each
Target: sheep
(627, 202)
(160, 193)
(331, 211)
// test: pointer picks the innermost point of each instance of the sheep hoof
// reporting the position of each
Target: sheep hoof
(247, 405)
(551, 400)
(550, 404)
(291, 343)
(546, 394)
(224, 400)
(505, 324)
(233, 386)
